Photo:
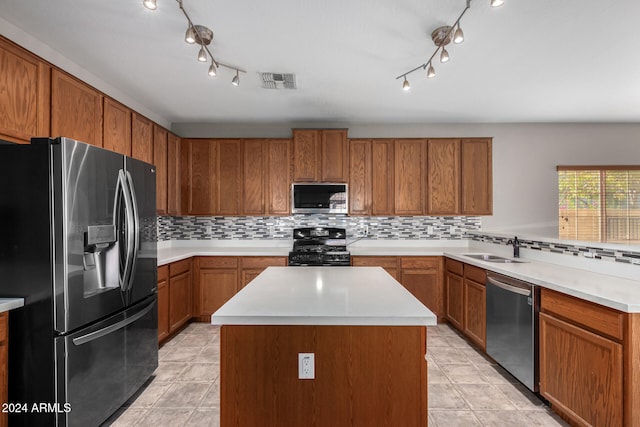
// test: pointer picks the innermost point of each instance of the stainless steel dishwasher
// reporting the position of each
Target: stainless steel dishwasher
(512, 326)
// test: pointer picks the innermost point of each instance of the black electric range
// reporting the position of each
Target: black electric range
(319, 246)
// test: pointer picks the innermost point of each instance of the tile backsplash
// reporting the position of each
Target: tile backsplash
(278, 227)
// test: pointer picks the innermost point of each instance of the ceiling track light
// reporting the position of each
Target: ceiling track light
(441, 37)
(405, 85)
(202, 36)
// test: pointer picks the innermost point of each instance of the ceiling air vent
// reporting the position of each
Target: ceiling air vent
(278, 80)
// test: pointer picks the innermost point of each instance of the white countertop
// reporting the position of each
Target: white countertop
(7, 304)
(324, 296)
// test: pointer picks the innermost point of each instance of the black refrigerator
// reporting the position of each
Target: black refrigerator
(78, 243)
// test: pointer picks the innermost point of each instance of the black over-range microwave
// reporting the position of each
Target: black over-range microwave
(325, 198)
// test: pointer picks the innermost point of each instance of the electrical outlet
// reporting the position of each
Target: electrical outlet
(366, 230)
(306, 366)
(208, 229)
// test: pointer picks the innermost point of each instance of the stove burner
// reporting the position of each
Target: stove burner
(319, 246)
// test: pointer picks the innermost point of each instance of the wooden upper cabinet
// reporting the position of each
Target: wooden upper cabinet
(141, 138)
(320, 155)
(160, 160)
(173, 175)
(116, 132)
(477, 184)
(443, 177)
(76, 109)
(279, 177)
(408, 170)
(198, 187)
(24, 94)
(383, 176)
(335, 155)
(254, 180)
(229, 176)
(360, 177)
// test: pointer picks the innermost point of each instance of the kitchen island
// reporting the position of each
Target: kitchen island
(367, 335)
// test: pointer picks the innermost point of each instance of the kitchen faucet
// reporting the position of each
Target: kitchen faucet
(516, 246)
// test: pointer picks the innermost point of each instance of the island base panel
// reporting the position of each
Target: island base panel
(364, 376)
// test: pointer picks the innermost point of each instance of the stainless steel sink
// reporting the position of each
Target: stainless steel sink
(493, 258)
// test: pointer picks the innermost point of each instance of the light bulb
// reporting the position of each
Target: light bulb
(496, 3)
(458, 35)
(212, 69)
(202, 55)
(236, 80)
(406, 86)
(150, 4)
(444, 56)
(190, 35)
(431, 72)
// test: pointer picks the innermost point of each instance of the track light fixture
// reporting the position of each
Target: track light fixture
(441, 37)
(202, 36)
(406, 86)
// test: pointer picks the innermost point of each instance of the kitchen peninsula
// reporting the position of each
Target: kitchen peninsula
(366, 332)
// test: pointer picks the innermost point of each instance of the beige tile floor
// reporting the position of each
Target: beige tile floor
(465, 388)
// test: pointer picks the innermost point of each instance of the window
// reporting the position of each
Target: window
(599, 203)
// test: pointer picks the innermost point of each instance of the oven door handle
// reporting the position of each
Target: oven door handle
(508, 287)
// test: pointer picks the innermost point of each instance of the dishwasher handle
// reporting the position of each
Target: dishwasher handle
(509, 287)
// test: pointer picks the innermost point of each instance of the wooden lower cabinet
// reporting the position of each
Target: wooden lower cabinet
(475, 303)
(4, 366)
(216, 283)
(179, 294)
(422, 276)
(163, 302)
(454, 290)
(252, 266)
(389, 263)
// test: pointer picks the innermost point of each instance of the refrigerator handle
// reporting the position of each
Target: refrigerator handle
(129, 227)
(114, 327)
(136, 229)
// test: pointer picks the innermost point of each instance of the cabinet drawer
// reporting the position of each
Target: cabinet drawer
(596, 317)
(262, 261)
(218, 262)
(375, 261)
(476, 274)
(454, 266)
(3, 326)
(432, 262)
(163, 273)
(179, 267)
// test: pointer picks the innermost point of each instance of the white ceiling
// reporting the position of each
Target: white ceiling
(526, 61)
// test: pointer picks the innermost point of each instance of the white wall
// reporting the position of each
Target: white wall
(525, 156)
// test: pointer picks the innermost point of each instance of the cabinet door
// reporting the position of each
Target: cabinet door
(409, 179)
(443, 177)
(24, 94)
(198, 184)
(116, 135)
(359, 177)
(279, 177)
(455, 300)
(173, 175)
(217, 286)
(141, 138)
(382, 181)
(229, 176)
(335, 155)
(76, 109)
(477, 184)
(422, 276)
(306, 155)
(581, 373)
(254, 176)
(160, 160)
(179, 300)
(389, 263)
(475, 318)
(163, 304)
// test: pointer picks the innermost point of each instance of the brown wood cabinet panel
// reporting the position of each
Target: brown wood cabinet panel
(475, 315)
(279, 177)
(382, 182)
(254, 179)
(179, 300)
(477, 183)
(477, 274)
(229, 176)
(306, 155)
(425, 282)
(454, 266)
(252, 266)
(141, 138)
(180, 267)
(443, 177)
(163, 302)
(173, 175)
(160, 160)
(595, 317)
(335, 155)
(259, 383)
(217, 286)
(24, 94)
(116, 135)
(409, 181)
(4, 366)
(218, 262)
(631, 370)
(581, 373)
(455, 300)
(198, 187)
(359, 177)
(389, 263)
(76, 109)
